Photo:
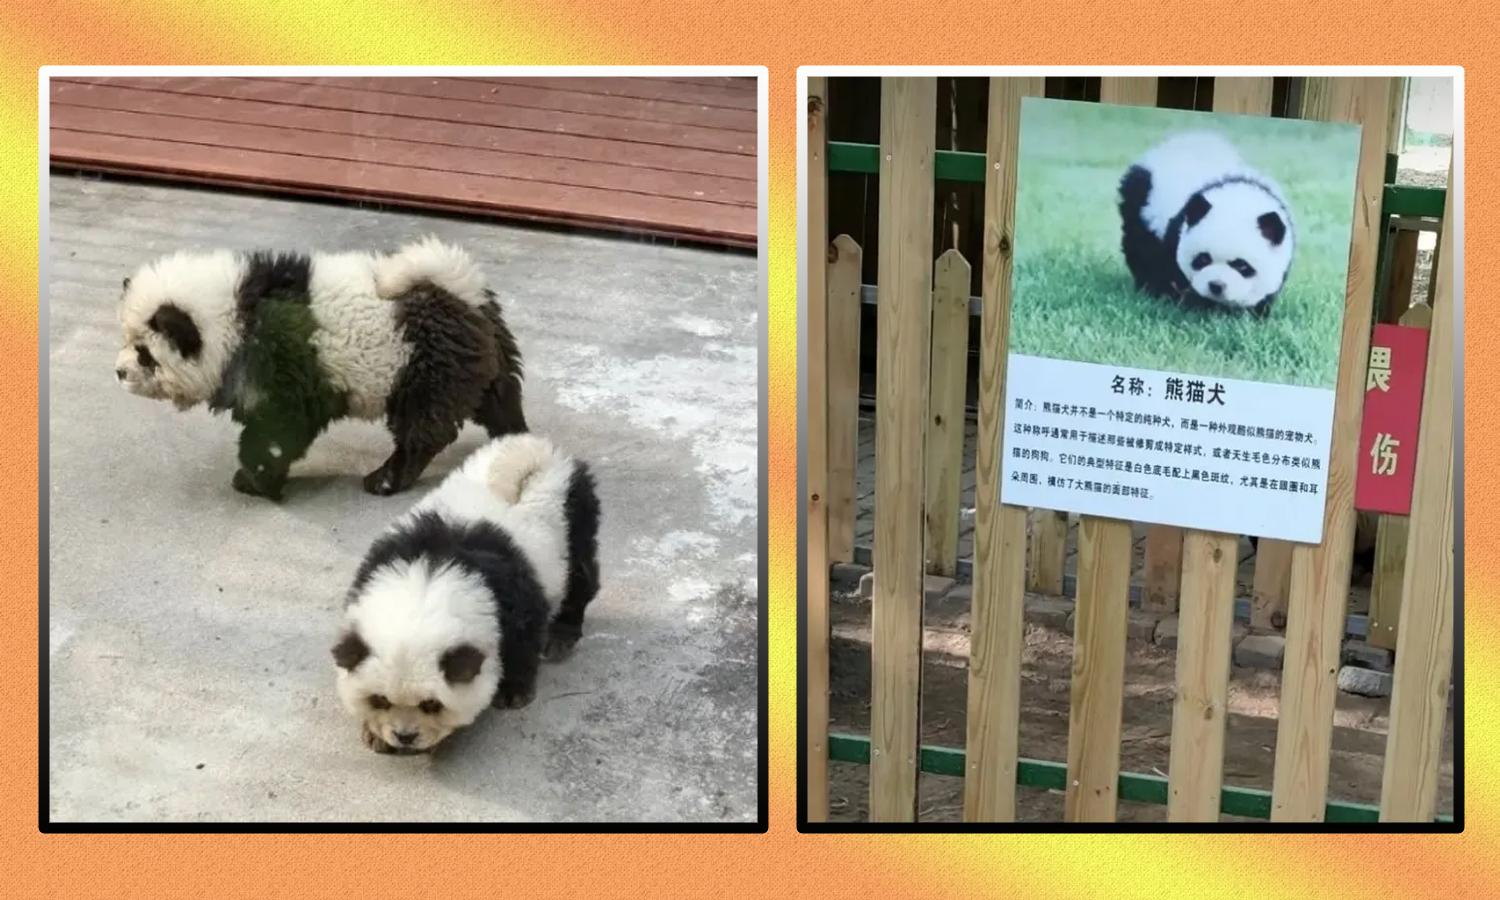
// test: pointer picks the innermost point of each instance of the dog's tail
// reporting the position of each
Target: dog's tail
(519, 462)
(430, 260)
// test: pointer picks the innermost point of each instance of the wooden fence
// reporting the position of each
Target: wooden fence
(922, 317)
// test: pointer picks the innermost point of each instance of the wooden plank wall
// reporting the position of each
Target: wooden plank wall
(669, 157)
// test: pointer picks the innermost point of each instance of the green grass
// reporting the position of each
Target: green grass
(1074, 298)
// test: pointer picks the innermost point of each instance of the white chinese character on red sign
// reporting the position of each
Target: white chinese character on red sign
(1383, 454)
(1379, 373)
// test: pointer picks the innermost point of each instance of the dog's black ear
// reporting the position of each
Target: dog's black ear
(178, 328)
(126, 285)
(350, 651)
(1273, 228)
(1196, 209)
(461, 664)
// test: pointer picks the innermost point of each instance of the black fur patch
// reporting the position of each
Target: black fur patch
(268, 275)
(1152, 260)
(1197, 207)
(461, 664)
(174, 324)
(487, 552)
(350, 651)
(581, 511)
(1272, 227)
(464, 364)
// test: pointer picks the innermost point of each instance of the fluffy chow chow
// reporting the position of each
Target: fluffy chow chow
(287, 343)
(448, 613)
(1200, 225)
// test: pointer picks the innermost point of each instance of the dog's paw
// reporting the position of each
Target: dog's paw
(246, 483)
(381, 482)
(559, 646)
(512, 696)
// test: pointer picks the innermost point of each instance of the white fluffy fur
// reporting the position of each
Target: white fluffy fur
(357, 340)
(429, 259)
(409, 615)
(520, 484)
(203, 285)
(350, 297)
(1183, 165)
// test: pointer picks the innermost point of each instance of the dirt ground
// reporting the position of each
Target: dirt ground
(1359, 737)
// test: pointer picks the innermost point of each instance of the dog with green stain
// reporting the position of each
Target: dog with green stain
(287, 343)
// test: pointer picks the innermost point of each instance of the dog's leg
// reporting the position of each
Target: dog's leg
(518, 684)
(567, 626)
(416, 445)
(498, 408)
(581, 511)
(269, 443)
(523, 622)
(499, 411)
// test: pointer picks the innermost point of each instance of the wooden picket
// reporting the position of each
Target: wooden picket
(1391, 536)
(918, 436)
(845, 259)
(908, 123)
(1046, 550)
(1320, 573)
(996, 614)
(1209, 564)
(945, 415)
(815, 566)
(1103, 603)
(1424, 650)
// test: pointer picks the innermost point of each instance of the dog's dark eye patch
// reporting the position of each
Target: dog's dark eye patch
(1242, 267)
(378, 701)
(144, 357)
(1201, 261)
(430, 707)
(171, 322)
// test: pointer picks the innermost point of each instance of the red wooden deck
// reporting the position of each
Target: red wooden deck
(674, 157)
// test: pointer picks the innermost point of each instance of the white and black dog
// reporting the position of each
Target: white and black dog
(287, 343)
(448, 611)
(1202, 226)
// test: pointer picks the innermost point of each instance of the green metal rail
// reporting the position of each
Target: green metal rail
(968, 168)
(1034, 773)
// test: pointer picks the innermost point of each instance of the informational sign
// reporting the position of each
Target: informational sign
(1177, 313)
(1392, 418)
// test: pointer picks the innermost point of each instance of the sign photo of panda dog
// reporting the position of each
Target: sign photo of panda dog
(1177, 310)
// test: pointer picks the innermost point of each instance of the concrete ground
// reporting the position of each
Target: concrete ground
(190, 626)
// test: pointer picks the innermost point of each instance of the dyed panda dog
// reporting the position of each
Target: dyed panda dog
(1201, 226)
(448, 612)
(287, 343)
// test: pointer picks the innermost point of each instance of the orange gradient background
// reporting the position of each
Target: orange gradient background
(780, 36)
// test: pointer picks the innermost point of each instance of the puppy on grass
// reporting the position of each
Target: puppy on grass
(448, 612)
(288, 343)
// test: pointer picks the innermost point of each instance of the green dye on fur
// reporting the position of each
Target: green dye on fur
(286, 401)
